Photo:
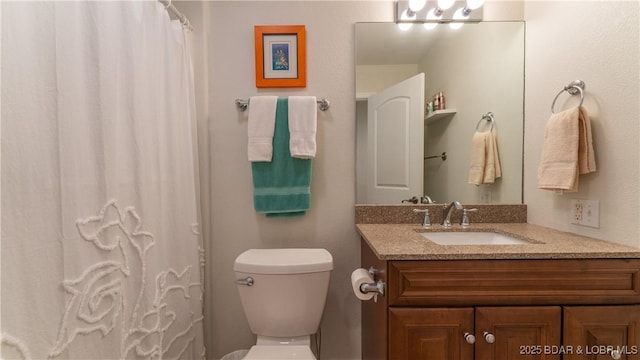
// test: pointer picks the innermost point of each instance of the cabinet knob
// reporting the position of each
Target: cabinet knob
(470, 339)
(615, 354)
(489, 337)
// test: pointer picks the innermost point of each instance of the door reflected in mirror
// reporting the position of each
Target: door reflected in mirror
(479, 68)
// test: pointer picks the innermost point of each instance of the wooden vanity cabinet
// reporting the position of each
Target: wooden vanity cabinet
(594, 326)
(472, 333)
(515, 309)
(424, 333)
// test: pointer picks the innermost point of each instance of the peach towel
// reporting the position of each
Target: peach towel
(567, 151)
(485, 161)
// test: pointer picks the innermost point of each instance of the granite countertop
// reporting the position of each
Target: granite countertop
(403, 242)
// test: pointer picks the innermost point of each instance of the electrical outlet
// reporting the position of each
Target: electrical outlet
(585, 212)
(577, 211)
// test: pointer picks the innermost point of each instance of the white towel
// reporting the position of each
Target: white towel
(485, 161)
(302, 126)
(567, 151)
(262, 120)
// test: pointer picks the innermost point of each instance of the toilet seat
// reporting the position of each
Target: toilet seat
(280, 352)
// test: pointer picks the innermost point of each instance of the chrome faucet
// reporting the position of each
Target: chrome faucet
(426, 200)
(446, 213)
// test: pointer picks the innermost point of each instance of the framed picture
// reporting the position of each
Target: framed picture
(280, 56)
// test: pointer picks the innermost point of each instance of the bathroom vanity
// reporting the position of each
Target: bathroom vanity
(558, 296)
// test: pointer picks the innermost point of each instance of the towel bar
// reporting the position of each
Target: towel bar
(573, 88)
(242, 104)
(442, 156)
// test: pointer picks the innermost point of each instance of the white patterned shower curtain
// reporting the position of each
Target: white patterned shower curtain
(101, 255)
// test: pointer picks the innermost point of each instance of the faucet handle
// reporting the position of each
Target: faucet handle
(465, 216)
(426, 221)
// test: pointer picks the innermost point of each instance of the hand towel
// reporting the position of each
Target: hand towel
(282, 187)
(262, 117)
(478, 158)
(567, 150)
(492, 169)
(302, 126)
(485, 161)
(586, 154)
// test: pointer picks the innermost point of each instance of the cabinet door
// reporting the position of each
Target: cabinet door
(518, 332)
(595, 331)
(416, 333)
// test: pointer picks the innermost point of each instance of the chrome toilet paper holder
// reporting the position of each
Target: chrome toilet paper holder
(377, 287)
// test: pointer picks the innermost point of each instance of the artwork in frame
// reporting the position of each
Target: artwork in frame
(280, 52)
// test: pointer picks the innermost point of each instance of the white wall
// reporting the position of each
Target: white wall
(596, 41)
(330, 221)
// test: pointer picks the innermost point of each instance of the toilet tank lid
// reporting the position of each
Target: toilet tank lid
(283, 261)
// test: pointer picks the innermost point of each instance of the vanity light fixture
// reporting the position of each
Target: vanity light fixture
(433, 20)
(417, 5)
(472, 5)
(458, 17)
(443, 5)
(407, 18)
(438, 11)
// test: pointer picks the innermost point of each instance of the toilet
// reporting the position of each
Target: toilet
(283, 293)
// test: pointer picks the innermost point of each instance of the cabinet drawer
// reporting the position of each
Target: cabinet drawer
(514, 282)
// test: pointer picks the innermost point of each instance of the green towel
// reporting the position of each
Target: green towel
(282, 187)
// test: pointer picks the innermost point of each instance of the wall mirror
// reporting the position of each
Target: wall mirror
(479, 68)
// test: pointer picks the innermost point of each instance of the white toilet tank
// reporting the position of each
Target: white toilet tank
(288, 291)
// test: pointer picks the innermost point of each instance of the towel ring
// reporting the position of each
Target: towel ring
(573, 88)
(486, 117)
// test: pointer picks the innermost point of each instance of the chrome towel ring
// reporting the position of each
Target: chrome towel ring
(488, 117)
(573, 88)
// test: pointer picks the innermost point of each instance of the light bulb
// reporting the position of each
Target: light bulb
(417, 5)
(430, 26)
(431, 18)
(445, 4)
(431, 15)
(460, 14)
(408, 15)
(405, 16)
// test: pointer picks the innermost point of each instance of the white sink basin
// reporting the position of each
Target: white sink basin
(472, 238)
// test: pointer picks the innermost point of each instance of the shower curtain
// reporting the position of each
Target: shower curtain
(101, 254)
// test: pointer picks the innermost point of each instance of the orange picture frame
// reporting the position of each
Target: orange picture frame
(281, 59)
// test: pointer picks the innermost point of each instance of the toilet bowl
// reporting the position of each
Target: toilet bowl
(283, 294)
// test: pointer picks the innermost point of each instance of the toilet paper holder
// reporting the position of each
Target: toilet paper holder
(377, 287)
